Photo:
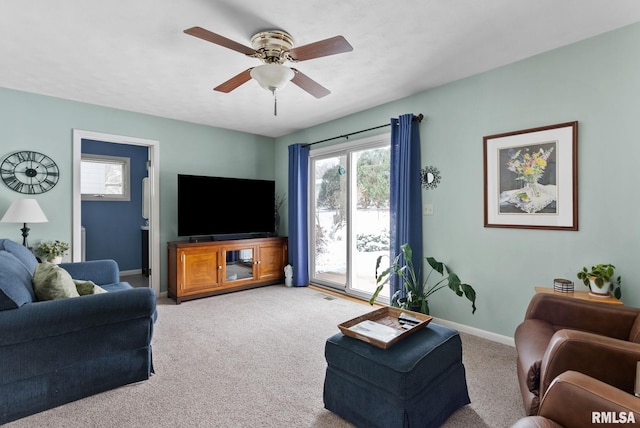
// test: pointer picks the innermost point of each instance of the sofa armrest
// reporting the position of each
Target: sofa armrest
(532, 338)
(563, 312)
(99, 271)
(56, 317)
(573, 397)
(610, 360)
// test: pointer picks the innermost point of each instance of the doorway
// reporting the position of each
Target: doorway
(154, 205)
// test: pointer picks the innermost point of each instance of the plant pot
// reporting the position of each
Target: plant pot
(599, 291)
(55, 260)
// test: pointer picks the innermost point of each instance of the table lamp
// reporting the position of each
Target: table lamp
(24, 211)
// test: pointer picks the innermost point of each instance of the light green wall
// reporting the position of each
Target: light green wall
(594, 82)
(45, 124)
(597, 83)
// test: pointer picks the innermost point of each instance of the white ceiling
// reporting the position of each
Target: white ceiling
(133, 54)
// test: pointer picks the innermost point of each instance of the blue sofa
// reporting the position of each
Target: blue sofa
(57, 351)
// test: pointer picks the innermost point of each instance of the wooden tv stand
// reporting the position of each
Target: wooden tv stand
(201, 269)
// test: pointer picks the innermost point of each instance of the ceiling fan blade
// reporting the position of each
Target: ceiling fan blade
(331, 46)
(207, 35)
(234, 82)
(309, 85)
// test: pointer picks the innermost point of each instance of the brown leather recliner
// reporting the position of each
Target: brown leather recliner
(575, 400)
(561, 333)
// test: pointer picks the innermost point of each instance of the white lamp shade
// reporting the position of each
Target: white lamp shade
(272, 76)
(24, 211)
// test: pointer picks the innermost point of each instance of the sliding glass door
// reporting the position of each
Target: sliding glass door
(330, 220)
(350, 212)
(370, 216)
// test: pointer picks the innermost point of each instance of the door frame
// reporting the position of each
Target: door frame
(153, 147)
(345, 148)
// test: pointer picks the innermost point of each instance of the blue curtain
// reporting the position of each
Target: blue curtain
(298, 213)
(405, 193)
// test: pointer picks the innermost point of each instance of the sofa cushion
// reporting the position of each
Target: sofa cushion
(15, 282)
(87, 287)
(51, 282)
(117, 286)
(22, 253)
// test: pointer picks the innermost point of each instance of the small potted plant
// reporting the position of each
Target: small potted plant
(600, 279)
(52, 251)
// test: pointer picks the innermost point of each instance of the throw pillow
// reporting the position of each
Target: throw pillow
(87, 287)
(22, 253)
(51, 282)
(15, 282)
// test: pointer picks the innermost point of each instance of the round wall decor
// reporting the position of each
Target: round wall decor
(429, 177)
(29, 172)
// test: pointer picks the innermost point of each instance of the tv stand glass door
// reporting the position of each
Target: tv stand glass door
(239, 263)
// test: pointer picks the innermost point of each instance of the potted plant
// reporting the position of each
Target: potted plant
(600, 279)
(413, 293)
(52, 251)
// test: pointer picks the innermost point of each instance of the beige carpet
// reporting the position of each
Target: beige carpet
(256, 359)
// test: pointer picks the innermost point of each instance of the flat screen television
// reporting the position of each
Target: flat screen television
(223, 207)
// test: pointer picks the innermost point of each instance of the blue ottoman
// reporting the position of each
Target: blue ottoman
(418, 382)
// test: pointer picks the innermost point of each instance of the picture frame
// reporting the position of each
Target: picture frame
(531, 178)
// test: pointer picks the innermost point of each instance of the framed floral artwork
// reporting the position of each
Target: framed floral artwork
(531, 178)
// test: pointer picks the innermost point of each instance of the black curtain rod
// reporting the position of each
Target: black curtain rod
(418, 118)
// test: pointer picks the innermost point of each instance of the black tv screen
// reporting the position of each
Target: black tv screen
(211, 206)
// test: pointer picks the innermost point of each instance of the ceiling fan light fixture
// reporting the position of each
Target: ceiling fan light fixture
(272, 76)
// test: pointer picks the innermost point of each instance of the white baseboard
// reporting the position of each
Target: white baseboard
(131, 272)
(505, 340)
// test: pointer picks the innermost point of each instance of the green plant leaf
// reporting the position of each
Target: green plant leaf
(381, 279)
(425, 307)
(436, 265)
(384, 275)
(470, 294)
(395, 298)
(406, 250)
(455, 283)
(617, 293)
(373, 298)
(609, 272)
(378, 261)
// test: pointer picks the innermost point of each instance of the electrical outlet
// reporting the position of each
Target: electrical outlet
(427, 209)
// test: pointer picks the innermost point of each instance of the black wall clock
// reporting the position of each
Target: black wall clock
(29, 172)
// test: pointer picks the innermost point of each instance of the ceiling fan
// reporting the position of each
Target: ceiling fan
(274, 48)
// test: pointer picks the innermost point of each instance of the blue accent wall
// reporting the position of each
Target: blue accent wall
(113, 227)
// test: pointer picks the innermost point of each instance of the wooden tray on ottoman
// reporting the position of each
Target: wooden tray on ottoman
(384, 318)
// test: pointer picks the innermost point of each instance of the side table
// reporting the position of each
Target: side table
(581, 295)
